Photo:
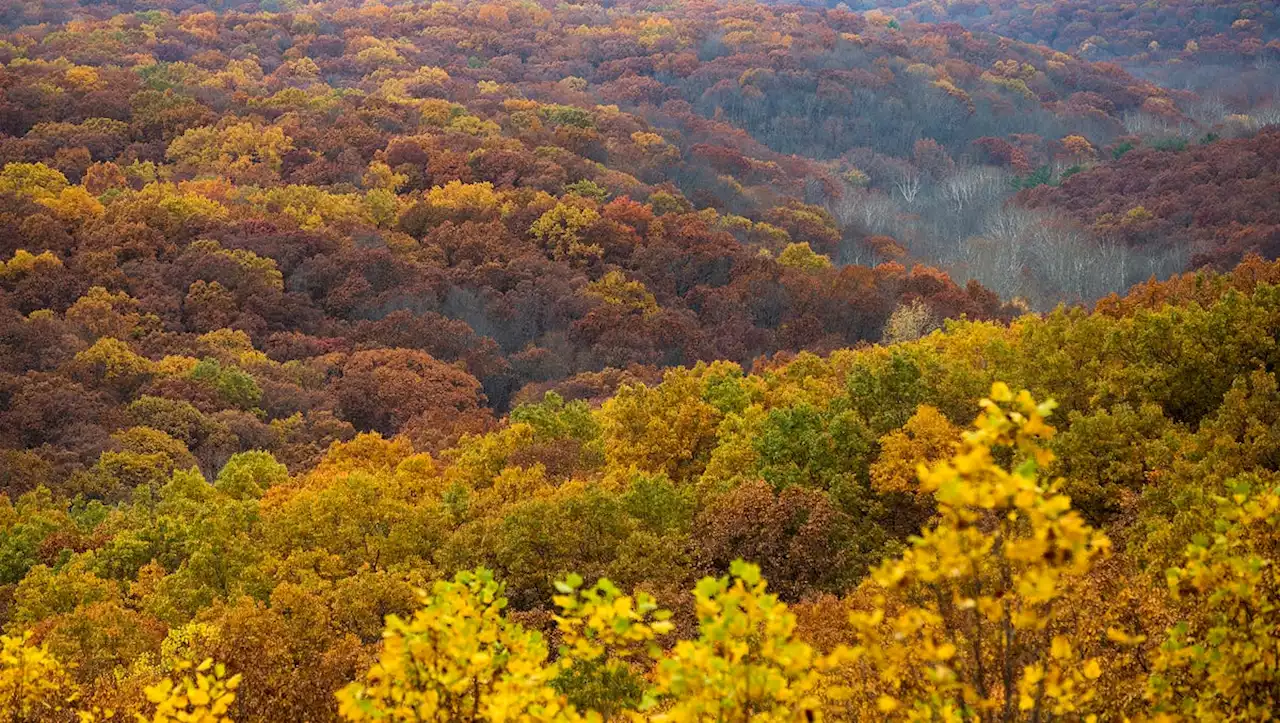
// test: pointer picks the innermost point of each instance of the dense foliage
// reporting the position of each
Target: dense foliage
(1115, 29)
(514, 361)
(1228, 48)
(800, 467)
(1217, 199)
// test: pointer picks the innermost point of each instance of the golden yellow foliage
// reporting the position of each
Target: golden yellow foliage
(801, 256)
(458, 659)
(746, 663)
(1220, 664)
(663, 429)
(962, 622)
(614, 289)
(559, 230)
(203, 695)
(34, 686)
(24, 262)
(927, 437)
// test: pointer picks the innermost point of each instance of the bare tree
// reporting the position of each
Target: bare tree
(908, 184)
(1265, 116)
(1114, 262)
(871, 211)
(972, 185)
(965, 225)
(1148, 125)
(1209, 110)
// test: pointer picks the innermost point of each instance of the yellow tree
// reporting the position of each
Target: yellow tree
(801, 256)
(35, 181)
(1079, 148)
(608, 642)
(34, 686)
(457, 201)
(114, 363)
(967, 622)
(203, 695)
(745, 665)
(24, 262)
(458, 660)
(926, 437)
(241, 151)
(614, 289)
(667, 428)
(560, 229)
(909, 322)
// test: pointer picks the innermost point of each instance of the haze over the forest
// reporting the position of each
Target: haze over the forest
(521, 360)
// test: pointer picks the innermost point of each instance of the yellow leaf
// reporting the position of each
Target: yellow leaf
(199, 696)
(1117, 635)
(1092, 670)
(159, 691)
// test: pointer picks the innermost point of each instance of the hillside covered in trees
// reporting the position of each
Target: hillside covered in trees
(910, 138)
(1217, 199)
(1226, 48)
(704, 361)
(806, 466)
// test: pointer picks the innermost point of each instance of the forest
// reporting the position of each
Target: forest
(711, 360)
(1226, 49)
